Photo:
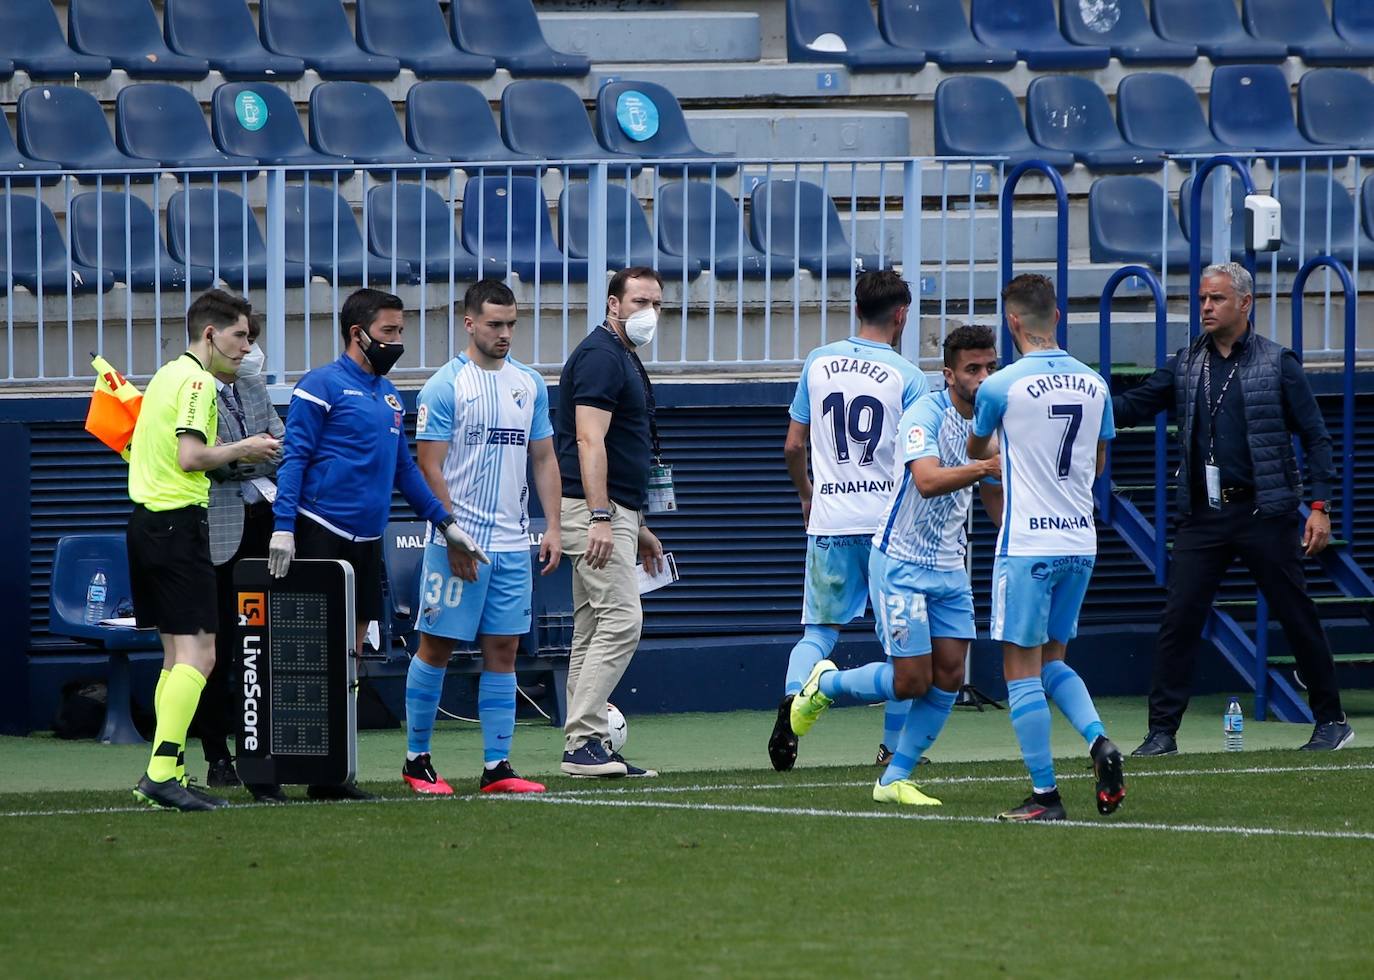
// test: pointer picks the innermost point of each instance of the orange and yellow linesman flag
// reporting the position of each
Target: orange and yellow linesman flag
(114, 407)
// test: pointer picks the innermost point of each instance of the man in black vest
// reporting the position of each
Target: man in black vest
(1238, 398)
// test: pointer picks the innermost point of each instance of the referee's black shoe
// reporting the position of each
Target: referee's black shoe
(169, 794)
(782, 744)
(345, 791)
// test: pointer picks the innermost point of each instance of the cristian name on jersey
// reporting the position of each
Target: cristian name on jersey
(489, 418)
(851, 394)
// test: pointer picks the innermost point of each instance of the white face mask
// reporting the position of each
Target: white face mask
(641, 326)
(251, 364)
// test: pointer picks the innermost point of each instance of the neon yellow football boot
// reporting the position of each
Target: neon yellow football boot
(810, 702)
(902, 791)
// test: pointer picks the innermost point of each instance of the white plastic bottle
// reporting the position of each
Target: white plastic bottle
(1233, 726)
(96, 593)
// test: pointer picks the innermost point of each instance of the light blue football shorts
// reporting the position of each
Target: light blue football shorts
(912, 604)
(836, 578)
(1037, 598)
(497, 604)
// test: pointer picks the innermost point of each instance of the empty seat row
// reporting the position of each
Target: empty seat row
(1068, 118)
(476, 38)
(997, 33)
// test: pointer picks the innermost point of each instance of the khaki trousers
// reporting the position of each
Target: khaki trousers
(606, 619)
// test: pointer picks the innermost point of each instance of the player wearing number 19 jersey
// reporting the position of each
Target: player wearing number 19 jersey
(1053, 417)
(848, 402)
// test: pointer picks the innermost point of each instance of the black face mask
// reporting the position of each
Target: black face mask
(382, 356)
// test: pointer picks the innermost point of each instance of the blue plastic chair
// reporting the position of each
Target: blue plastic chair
(1334, 107)
(75, 562)
(67, 126)
(865, 48)
(257, 119)
(1160, 111)
(1251, 107)
(129, 34)
(164, 123)
(508, 30)
(1214, 26)
(486, 202)
(1367, 209)
(1303, 26)
(978, 116)
(1125, 217)
(683, 209)
(11, 159)
(1185, 197)
(414, 32)
(224, 234)
(453, 121)
(1070, 113)
(318, 250)
(1124, 28)
(31, 36)
(428, 241)
(356, 120)
(1028, 27)
(222, 32)
(317, 32)
(32, 260)
(1353, 20)
(1305, 213)
(779, 208)
(547, 120)
(940, 29)
(403, 565)
(625, 218)
(636, 135)
(100, 221)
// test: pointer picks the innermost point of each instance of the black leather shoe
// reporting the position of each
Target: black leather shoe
(266, 793)
(222, 774)
(1157, 743)
(348, 791)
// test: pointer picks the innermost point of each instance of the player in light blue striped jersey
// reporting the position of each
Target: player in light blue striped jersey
(480, 418)
(918, 581)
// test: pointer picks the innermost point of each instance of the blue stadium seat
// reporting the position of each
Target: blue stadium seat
(414, 32)
(1367, 207)
(547, 120)
(12, 159)
(1123, 27)
(1251, 107)
(1334, 106)
(128, 33)
(1304, 202)
(624, 217)
(31, 36)
(164, 123)
(356, 120)
(1214, 26)
(317, 31)
(217, 241)
(508, 30)
(1029, 27)
(1185, 197)
(939, 28)
(1353, 20)
(30, 260)
(67, 126)
(486, 201)
(1162, 112)
(644, 119)
(427, 241)
(1126, 220)
(222, 32)
(1070, 113)
(783, 206)
(403, 565)
(978, 116)
(452, 120)
(257, 119)
(1303, 26)
(99, 222)
(843, 32)
(684, 216)
(319, 209)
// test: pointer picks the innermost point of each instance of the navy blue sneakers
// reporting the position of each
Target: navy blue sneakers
(592, 759)
(1329, 736)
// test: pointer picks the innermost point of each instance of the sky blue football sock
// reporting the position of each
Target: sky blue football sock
(871, 682)
(424, 685)
(496, 711)
(894, 717)
(814, 646)
(923, 725)
(1030, 719)
(1066, 689)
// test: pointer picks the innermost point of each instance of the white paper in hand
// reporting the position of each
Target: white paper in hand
(266, 487)
(667, 575)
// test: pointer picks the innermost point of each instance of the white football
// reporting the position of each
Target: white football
(618, 729)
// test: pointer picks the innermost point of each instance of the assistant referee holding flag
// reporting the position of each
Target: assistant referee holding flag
(168, 536)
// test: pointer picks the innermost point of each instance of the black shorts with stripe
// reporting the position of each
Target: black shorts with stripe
(171, 575)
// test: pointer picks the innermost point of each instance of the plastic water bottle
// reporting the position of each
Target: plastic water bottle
(96, 592)
(1233, 725)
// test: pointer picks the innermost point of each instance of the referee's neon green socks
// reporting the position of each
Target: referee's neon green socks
(157, 691)
(176, 707)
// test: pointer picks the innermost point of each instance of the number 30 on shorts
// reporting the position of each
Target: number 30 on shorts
(898, 607)
(439, 587)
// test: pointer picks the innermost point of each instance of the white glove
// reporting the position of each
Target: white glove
(458, 538)
(280, 550)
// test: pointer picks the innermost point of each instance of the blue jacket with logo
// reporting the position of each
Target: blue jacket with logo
(345, 449)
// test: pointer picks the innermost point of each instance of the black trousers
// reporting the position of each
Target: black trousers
(1206, 543)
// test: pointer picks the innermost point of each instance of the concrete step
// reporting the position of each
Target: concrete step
(833, 134)
(663, 36)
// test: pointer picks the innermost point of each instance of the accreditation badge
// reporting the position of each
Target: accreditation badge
(662, 500)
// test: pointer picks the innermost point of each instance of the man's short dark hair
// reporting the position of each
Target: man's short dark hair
(254, 327)
(1033, 297)
(622, 278)
(879, 294)
(361, 309)
(219, 308)
(970, 336)
(484, 291)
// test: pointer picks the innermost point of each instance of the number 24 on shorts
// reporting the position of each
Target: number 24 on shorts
(899, 606)
(448, 588)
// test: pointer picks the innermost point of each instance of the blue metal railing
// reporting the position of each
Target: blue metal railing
(1061, 286)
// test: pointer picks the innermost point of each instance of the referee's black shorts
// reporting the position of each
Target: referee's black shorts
(314, 540)
(170, 571)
